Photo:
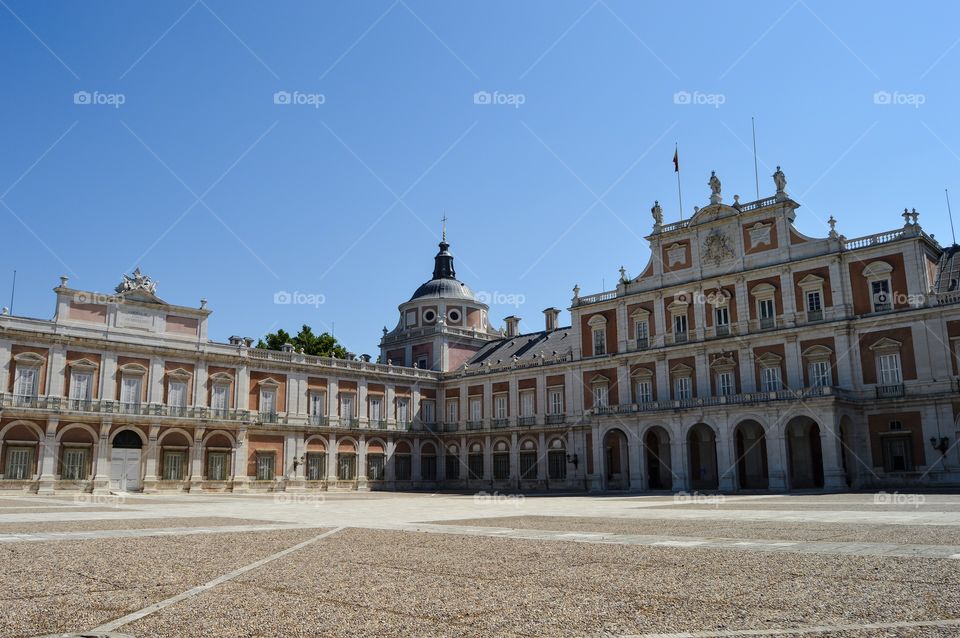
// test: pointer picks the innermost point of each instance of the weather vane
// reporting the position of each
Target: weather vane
(444, 221)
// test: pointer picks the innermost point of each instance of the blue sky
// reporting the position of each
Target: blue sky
(219, 192)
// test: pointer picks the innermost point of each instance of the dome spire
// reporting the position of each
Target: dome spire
(443, 262)
(444, 221)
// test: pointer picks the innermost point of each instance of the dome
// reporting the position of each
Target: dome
(446, 288)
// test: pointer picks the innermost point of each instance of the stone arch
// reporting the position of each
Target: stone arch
(217, 449)
(29, 425)
(657, 454)
(616, 459)
(94, 435)
(186, 435)
(702, 457)
(25, 431)
(428, 448)
(804, 453)
(209, 435)
(126, 439)
(750, 445)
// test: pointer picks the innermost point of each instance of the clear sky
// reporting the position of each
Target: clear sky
(179, 157)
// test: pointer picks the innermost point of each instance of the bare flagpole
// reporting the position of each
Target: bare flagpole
(676, 169)
(756, 171)
(13, 290)
(950, 213)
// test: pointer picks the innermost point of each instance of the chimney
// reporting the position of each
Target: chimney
(551, 317)
(235, 340)
(513, 325)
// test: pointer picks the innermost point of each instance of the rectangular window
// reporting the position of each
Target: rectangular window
(725, 384)
(19, 465)
(766, 309)
(131, 393)
(451, 468)
(346, 407)
(880, 292)
(814, 303)
(556, 401)
(770, 379)
(74, 464)
(316, 466)
(428, 411)
(722, 317)
(376, 409)
(500, 406)
(26, 384)
(318, 404)
(476, 409)
(526, 404)
(475, 466)
(643, 334)
(644, 392)
(266, 466)
(679, 327)
(682, 388)
(403, 467)
(600, 396)
(599, 341)
(403, 411)
(453, 411)
(177, 397)
(268, 401)
(557, 462)
(897, 454)
(428, 467)
(820, 374)
(81, 389)
(501, 467)
(217, 466)
(890, 369)
(375, 465)
(220, 399)
(528, 466)
(173, 466)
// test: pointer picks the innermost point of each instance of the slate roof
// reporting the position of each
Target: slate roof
(948, 270)
(525, 347)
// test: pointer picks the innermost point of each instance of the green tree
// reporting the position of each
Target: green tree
(322, 345)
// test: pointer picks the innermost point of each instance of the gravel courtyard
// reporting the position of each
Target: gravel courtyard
(452, 565)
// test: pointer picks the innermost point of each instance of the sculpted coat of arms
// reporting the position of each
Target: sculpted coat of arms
(717, 248)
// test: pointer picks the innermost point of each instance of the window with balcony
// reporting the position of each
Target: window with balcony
(453, 410)
(403, 410)
(641, 328)
(347, 412)
(682, 388)
(767, 313)
(500, 407)
(644, 391)
(680, 328)
(721, 320)
(476, 409)
(527, 400)
(770, 380)
(74, 464)
(131, 392)
(26, 382)
(725, 383)
(428, 411)
(376, 409)
(177, 397)
(81, 389)
(220, 399)
(889, 367)
(268, 403)
(814, 305)
(555, 401)
(820, 376)
(601, 395)
(317, 406)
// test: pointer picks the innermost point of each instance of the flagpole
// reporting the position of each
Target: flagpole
(676, 155)
(756, 171)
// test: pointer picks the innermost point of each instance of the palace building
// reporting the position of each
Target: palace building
(745, 356)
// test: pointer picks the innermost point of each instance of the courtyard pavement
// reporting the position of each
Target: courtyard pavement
(389, 564)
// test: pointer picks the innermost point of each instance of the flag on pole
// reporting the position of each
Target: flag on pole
(676, 161)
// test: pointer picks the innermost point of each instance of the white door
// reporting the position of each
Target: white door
(125, 470)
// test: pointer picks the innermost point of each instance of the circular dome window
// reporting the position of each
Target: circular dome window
(429, 316)
(454, 315)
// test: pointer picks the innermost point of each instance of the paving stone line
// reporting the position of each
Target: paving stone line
(136, 533)
(804, 547)
(199, 589)
(798, 631)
